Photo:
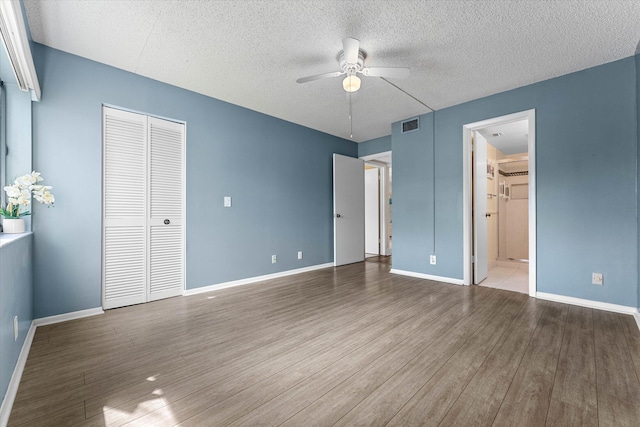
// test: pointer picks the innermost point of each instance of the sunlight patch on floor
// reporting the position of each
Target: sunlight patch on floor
(154, 410)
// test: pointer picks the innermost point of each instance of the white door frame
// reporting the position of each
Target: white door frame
(384, 198)
(372, 193)
(467, 131)
(480, 224)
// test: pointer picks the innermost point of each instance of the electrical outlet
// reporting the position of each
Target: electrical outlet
(15, 328)
(432, 260)
(274, 259)
(299, 254)
(596, 279)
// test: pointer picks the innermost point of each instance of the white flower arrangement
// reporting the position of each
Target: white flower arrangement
(20, 192)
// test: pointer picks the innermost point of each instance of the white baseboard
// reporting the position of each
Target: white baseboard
(68, 316)
(427, 276)
(12, 390)
(249, 280)
(624, 309)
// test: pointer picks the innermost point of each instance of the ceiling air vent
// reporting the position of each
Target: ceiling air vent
(410, 125)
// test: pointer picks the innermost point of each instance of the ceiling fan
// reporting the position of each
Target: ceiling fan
(351, 61)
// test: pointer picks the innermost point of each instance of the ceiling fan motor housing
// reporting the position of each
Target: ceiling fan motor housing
(351, 68)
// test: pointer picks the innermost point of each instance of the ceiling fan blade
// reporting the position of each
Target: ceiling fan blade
(351, 48)
(395, 73)
(319, 76)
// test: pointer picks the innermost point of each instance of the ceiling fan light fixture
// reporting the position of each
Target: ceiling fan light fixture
(351, 83)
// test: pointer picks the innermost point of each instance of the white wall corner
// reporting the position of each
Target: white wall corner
(12, 390)
(68, 316)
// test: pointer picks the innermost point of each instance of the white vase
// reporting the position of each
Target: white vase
(13, 225)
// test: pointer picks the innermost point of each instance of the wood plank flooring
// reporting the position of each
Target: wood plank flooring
(343, 346)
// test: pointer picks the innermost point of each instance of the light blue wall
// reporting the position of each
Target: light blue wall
(413, 198)
(16, 298)
(278, 174)
(374, 146)
(587, 137)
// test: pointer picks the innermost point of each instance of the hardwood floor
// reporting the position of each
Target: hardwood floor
(345, 346)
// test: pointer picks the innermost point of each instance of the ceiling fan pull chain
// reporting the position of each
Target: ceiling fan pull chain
(350, 117)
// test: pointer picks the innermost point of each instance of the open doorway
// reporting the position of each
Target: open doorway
(372, 211)
(378, 224)
(349, 207)
(499, 207)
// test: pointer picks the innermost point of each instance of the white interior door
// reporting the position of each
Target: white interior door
(372, 210)
(480, 238)
(348, 210)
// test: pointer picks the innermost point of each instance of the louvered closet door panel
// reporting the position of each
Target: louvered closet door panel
(165, 261)
(124, 205)
(166, 242)
(124, 266)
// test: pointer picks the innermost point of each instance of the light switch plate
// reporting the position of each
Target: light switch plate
(227, 201)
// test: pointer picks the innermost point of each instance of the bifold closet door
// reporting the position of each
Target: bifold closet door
(166, 209)
(143, 208)
(124, 223)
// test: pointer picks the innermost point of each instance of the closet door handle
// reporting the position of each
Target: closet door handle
(167, 222)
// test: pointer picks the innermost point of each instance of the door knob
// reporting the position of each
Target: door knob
(337, 215)
(166, 221)
(487, 215)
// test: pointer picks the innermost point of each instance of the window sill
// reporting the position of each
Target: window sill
(7, 239)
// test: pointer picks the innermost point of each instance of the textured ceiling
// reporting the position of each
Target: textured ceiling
(250, 53)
